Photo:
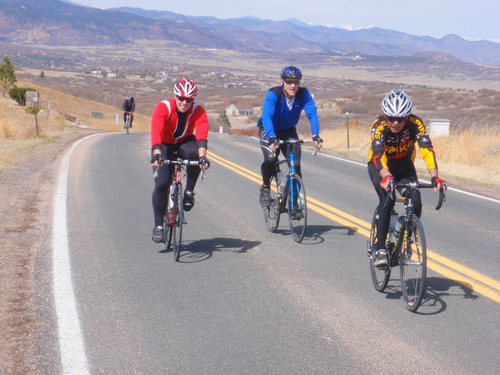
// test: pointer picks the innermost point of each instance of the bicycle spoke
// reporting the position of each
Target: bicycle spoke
(413, 265)
(297, 208)
(272, 213)
(179, 219)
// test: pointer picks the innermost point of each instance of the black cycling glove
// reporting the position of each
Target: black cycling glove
(317, 138)
(204, 162)
(436, 180)
(158, 158)
(273, 140)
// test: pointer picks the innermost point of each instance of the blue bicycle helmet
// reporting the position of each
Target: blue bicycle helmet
(291, 72)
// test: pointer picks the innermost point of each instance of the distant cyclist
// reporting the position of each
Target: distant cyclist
(128, 106)
(391, 157)
(280, 114)
(178, 126)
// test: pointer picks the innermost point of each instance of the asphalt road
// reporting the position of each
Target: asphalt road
(245, 301)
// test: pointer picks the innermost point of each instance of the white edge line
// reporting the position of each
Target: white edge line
(449, 188)
(71, 345)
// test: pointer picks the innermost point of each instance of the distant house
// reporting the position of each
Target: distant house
(163, 74)
(239, 110)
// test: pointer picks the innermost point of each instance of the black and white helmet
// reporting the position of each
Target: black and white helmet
(397, 104)
(291, 72)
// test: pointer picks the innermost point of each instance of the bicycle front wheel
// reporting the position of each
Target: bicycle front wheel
(179, 221)
(380, 275)
(272, 213)
(413, 263)
(297, 208)
(127, 124)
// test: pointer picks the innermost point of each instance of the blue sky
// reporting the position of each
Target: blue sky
(469, 19)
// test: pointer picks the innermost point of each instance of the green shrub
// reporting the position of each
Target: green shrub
(19, 94)
(31, 109)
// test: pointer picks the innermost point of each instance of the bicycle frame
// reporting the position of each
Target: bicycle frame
(289, 177)
(174, 211)
(128, 121)
(292, 198)
(409, 250)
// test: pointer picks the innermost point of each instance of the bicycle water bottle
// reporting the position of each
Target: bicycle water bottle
(171, 215)
(392, 226)
(170, 199)
(397, 227)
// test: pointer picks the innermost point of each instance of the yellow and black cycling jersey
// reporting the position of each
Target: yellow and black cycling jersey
(394, 151)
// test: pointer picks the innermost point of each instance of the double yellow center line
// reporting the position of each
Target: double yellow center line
(465, 276)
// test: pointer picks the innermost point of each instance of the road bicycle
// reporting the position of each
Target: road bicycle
(288, 195)
(407, 248)
(174, 219)
(128, 122)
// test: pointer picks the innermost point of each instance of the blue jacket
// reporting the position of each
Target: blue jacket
(277, 116)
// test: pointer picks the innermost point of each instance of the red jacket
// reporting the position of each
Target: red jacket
(164, 123)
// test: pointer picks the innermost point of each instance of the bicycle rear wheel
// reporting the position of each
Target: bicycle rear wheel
(176, 232)
(380, 275)
(272, 213)
(297, 208)
(413, 264)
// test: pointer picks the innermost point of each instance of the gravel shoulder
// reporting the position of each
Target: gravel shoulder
(27, 316)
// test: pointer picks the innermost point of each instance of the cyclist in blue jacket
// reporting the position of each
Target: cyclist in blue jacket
(280, 114)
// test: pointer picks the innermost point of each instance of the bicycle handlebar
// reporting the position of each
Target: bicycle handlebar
(415, 185)
(180, 162)
(293, 141)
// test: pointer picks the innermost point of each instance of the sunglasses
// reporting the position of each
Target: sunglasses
(289, 83)
(394, 119)
(187, 100)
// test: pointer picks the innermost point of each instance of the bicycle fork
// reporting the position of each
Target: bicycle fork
(296, 198)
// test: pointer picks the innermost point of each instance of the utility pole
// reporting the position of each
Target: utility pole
(347, 127)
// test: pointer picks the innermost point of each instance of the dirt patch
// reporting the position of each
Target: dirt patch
(26, 193)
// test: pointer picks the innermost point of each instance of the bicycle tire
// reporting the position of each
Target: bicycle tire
(413, 264)
(127, 124)
(179, 221)
(297, 205)
(380, 275)
(272, 213)
(167, 229)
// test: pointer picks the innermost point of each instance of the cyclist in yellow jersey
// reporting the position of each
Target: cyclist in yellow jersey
(391, 156)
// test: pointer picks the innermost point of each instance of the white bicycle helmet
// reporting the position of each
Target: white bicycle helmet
(186, 88)
(397, 104)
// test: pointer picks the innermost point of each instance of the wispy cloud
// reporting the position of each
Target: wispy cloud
(347, 27)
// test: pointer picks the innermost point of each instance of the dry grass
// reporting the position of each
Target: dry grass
(470, 158)
(18, 128)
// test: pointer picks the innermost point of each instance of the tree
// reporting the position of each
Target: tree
(7, 76)
(42, 74)
(223, 119)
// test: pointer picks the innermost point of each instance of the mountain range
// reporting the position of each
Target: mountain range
(62, 23)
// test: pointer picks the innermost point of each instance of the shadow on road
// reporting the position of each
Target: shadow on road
(314, 233)
(201, 250)
(437, 288)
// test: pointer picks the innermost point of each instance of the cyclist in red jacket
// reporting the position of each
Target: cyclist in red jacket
(178, 126)
(391, 156)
